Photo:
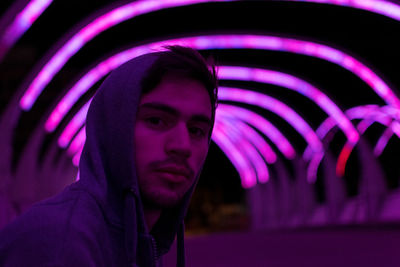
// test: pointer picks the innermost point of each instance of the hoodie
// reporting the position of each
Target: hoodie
(99, 220)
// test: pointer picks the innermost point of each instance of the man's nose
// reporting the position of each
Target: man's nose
(179, 143)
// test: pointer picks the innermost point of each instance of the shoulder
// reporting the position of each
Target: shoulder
(49, 234)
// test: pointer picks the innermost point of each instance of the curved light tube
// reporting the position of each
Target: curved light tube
(384, 8)
(250, 152)
(244, 168)
(382, 141)
(84, 35)
(74, 125)
(22, 22)
(262, 146)
(77, 143)
(274, 105)
(35, 8)
(369, 114)
(293, 83)
(209, 42)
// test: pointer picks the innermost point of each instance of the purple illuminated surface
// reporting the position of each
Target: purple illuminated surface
(274, 105)
(293, 83)
(235, 155)
(239, 139)
(369, 114)
(73, 126)
(261, 124)
(259, 142)
(77, 142)
(84, 35)
(22, 22)
(206, 42)
(223, 42)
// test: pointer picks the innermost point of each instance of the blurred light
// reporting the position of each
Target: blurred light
(258, 141)
(241, 142)
(22, 22)
(385, 8)
(274, 105)
(77, 142)
(73, 126)
(216, 42)
(382, 142)
(342, 159)
(264, 126)
(293, 83)
(84, 35)
(244, 168)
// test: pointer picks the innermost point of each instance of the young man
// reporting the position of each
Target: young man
(148, 132)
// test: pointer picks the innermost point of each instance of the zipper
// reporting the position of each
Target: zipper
(156, 255)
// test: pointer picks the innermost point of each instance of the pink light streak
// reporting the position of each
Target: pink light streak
(128, 11)
(75, 124)
(246, 171)
(22, 22)
(274, 105)
(295, 84)
(369, 114)
(384, 8)
(241, 142)
(77, 157)
(382, 142)
(77, 142)
(84, 35)
(259, 142)
(264, 126)
(222, 42)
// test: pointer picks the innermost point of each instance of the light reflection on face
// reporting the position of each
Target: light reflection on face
(171, 139)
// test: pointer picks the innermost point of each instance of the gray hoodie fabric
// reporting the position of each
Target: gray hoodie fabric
(99, 220)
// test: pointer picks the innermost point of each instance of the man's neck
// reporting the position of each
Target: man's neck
(151, 216)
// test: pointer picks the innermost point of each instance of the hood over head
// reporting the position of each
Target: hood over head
(107, 165)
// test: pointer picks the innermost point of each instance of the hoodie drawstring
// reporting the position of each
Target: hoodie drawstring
(130, 227)
(180, 249)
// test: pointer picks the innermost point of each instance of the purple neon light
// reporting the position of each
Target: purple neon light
(293, 83)
(384, 8)
(77, 142)
(368, 111)
(369, 114)
(84, 35)
(246, 172)
(382, 142)
(22, 23)
(72, 127)
(213, 42)
(274, 105)
(263, 126)
(240, 140)
(77, 157)
(259, 142)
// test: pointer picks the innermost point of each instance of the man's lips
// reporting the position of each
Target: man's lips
(174, 173)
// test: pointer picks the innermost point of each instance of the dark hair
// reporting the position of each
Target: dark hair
(185, 62)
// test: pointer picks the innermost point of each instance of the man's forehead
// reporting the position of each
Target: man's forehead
(196, 115)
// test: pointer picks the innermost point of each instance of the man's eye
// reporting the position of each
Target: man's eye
(155, 121)
(197, 132)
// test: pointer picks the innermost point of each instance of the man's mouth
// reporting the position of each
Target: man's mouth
(174, 173)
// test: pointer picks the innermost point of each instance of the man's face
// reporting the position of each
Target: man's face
(171, 139)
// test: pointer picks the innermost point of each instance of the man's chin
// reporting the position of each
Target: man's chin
(161, 199)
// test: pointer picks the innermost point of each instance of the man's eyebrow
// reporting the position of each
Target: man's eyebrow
(172, 111)
(202, 118)
(159, 106)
